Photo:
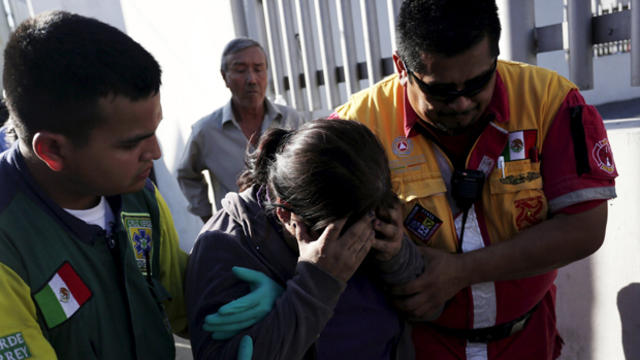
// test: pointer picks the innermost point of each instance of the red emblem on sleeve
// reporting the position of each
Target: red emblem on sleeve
(529, 210)
(601, 154)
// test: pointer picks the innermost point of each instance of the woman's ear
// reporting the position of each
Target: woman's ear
(289, 226)
(49, 147)
(283, 215)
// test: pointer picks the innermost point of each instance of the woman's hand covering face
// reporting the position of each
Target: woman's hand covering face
(389, 231)
(338, 255)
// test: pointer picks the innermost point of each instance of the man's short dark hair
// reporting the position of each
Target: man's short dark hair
(58, 65)
(235, 46)
(445, 27)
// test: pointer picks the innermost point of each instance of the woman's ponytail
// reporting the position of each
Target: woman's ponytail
(258, 162)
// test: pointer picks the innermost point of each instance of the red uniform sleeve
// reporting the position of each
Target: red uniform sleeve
(577, 165)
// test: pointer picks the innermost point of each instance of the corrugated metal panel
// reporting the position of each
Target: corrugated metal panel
(275, 49)
(291, 54)
(371, 40)
(308, 51)
(580, 47)
(240, 22)
(327, 53)
(635, 43)
(393, 8)
(348, 46)
(518, 23)
(525, 41)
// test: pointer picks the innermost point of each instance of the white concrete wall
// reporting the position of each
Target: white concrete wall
(187, 38)
(598, 302)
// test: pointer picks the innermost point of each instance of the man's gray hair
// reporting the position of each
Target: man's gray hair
(235, 46)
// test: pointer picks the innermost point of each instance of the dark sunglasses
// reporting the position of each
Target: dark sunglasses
(449, 92)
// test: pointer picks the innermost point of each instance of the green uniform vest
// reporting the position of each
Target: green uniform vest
(124, 314)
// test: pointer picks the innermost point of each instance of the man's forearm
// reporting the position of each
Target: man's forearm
(537, 250)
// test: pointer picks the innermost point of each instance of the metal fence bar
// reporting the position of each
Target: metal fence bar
(291, 57)
(371, 40)
(348, 46)
(584, 32)
(611, 27)
(29, 5)
(580, 46)
(256, 28)
(239, 18)
(327, 53)
(273, 39)
(518, 23)
(393, 8)
(308, 54)
(635, 42)
(7, 24)
(22, 10)
(548, 38)
(9, 17)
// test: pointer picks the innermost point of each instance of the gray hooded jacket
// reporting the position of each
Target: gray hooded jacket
(241, 234)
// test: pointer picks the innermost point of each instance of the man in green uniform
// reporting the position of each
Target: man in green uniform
(89, 260)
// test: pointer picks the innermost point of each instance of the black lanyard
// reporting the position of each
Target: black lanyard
(466, 185)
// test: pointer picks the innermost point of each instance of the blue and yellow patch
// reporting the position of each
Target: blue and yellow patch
(139, 229)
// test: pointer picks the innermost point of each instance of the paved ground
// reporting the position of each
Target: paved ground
(183, 349)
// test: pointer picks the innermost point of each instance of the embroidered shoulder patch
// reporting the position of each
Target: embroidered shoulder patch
(14, 347)
(139, 227)
(62, 296)
(601, 154)
(402, 146)
(520, 178)
(422, 223)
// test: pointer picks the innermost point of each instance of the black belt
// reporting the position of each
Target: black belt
(487, 334)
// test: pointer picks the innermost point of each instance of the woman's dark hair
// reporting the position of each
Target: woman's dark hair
(324, 171)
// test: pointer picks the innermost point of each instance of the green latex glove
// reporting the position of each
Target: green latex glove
(245, 348)
(243, 312)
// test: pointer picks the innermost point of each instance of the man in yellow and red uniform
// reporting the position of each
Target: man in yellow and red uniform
(505, 173)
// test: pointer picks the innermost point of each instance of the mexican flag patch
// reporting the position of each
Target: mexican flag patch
(520, 146)
(62, 296)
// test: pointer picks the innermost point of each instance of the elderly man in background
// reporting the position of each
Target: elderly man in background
(218, 141)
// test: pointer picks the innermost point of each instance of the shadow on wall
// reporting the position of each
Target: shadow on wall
(575, 281)
(628, 303)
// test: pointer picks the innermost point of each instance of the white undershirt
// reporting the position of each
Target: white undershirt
(100, 215)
